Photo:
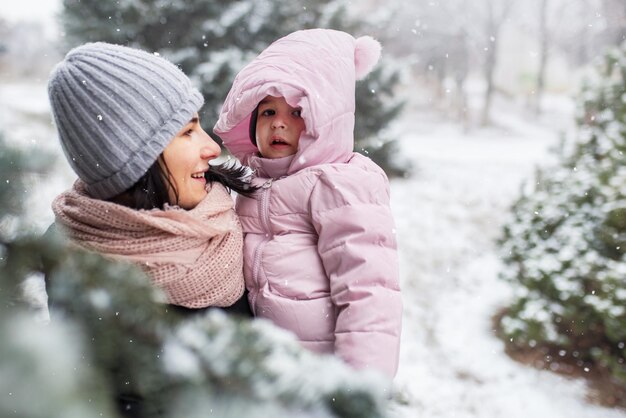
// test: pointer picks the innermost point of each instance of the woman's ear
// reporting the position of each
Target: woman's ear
(366, 54)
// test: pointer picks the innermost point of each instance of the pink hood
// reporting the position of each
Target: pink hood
(320, 79)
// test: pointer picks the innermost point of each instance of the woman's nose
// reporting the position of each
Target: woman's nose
(210, 149)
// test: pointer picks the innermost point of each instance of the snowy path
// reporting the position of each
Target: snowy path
(448, 216)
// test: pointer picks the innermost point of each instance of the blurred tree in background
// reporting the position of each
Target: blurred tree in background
(211, 40)
(566, 244)
(109, 338)
(496, 49)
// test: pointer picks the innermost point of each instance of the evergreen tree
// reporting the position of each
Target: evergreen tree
(38, 373)
(566, 244)
(109, 336)
(211, 40)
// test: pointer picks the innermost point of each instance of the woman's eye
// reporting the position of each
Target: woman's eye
(188, 132)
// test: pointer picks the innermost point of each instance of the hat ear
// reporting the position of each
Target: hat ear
(366, 55)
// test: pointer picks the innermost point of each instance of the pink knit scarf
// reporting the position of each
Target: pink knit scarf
(194, 255)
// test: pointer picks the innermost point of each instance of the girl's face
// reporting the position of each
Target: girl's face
(278, 128)
(187, 159)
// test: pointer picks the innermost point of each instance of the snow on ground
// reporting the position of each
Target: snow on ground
(448, 215)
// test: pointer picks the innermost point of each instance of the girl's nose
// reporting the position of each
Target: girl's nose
(210, 149)
(278, 122)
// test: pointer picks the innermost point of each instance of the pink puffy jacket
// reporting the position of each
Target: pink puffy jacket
(320, 249)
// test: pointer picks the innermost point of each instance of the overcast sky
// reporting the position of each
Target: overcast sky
(30, 10)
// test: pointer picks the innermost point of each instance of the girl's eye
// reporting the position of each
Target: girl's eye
(267, 112)
(188, 132)
(297, 113)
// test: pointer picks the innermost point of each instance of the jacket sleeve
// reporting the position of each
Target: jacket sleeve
(357, 244)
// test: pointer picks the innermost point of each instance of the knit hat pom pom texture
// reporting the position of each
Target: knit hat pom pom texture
(116, 109)
(366, 55)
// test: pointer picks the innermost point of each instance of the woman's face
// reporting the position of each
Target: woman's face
(187, 159)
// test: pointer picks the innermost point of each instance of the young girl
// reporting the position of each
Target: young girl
(319, 249)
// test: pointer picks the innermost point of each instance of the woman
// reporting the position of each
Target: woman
(128, 124)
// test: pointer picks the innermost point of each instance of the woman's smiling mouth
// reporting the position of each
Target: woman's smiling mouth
(199, 176)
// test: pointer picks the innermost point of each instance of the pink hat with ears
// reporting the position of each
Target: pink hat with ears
(314, 69)
(366, 54)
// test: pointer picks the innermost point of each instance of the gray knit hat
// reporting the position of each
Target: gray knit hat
(116, 109)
